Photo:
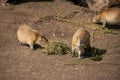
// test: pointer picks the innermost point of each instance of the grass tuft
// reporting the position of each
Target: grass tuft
(93, 53)
(96, 58)
(109, 31)
(57, 48)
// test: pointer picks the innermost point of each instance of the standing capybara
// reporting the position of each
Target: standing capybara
(80, 41)
(27, 35)
(110, 16)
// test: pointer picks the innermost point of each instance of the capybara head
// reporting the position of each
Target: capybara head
(96, 19)
(81, 43)
(43, 41)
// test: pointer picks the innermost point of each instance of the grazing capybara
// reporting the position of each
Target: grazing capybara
(27, 35)
(80, 41)
(110, 16)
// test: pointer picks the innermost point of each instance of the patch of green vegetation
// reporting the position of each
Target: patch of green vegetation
(109, 31)
(60, 48)
(57, 47)
(97, 58)
(93, 53)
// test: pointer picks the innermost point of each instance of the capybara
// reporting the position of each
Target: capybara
(110, 16)
(27, 35)
(80, 41)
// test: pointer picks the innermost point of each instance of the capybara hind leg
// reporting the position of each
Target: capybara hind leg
(31, 44)
(32, 47)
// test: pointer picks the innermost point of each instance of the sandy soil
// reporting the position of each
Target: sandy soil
(63, 19)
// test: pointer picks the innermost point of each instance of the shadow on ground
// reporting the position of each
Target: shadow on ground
(117, 27)
(36, 46)
(16, 2)
(94, 53)
(79, 2)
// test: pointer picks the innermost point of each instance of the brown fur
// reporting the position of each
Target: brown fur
(27, 35)
(80, 35)
(109, 16)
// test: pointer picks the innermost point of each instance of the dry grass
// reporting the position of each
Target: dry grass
(108, 31)
(88, 25)
(93, 53)
(57, 48)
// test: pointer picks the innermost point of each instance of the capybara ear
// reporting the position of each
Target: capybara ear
(77, 37)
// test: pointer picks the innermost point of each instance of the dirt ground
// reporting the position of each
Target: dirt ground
(63, 19)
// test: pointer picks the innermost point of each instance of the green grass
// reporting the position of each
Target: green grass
(57, 48)
(108, 31)
(93, 53)
(60, 48)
